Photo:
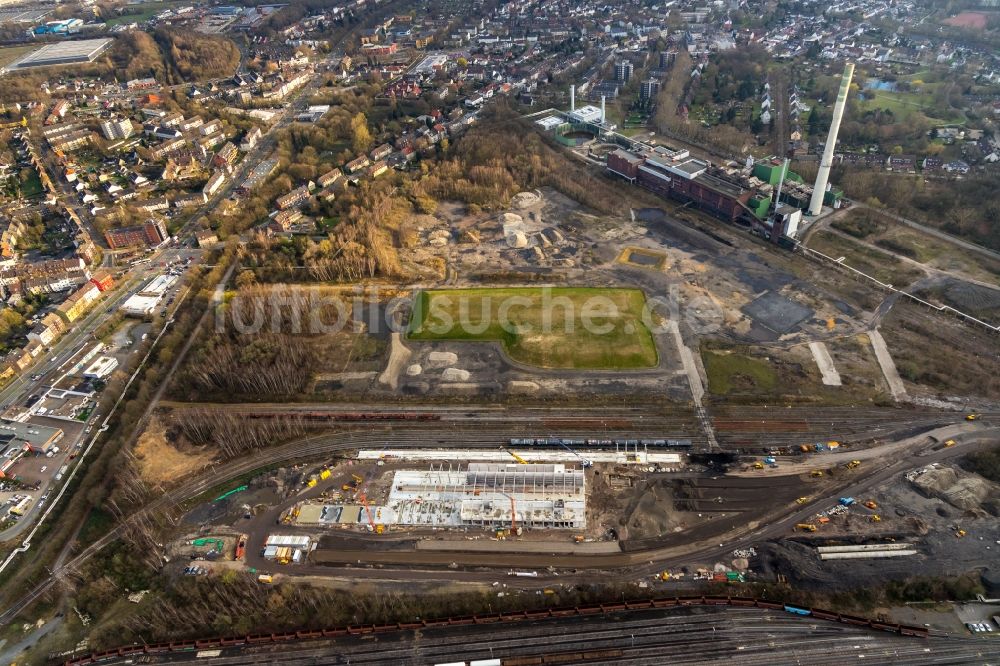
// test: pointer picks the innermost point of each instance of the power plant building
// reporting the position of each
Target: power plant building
(746, 194)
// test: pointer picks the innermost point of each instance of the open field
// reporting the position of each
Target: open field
(559, 327)
(877, 264)
(872, 227)
(149, 10)
(902, 104)
(12, 53)
(969, 20)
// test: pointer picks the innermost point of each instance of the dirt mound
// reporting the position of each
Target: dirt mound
(160, 461)
(524, 200)
(966, 492)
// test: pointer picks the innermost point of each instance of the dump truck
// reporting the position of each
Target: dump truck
(806, 527)
(871, 504)
(324, 474)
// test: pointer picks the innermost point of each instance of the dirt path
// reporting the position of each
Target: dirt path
(825, 363)
(888, 366)
(878, 454)
(399, 354)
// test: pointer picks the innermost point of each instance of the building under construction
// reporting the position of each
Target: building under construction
(487, 495)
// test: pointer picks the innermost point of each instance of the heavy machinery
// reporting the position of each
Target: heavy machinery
(514, 529)
(853, 464)
(816, 473)
(802, 500)
(377, 529)
(519, 459)
(583, 461)
(665, 575)
(578, 538)
(949, 443)
(358, 480)
(846, 501)
(959, 533)
(871, 504)
(806, 527)
(876, 518)
(972, 417)
(758, 464)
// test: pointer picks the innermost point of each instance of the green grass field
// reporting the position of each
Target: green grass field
(557, 327)
(728, 372)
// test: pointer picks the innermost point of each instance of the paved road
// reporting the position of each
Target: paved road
(748, 637)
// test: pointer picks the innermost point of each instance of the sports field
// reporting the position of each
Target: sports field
(548, 327)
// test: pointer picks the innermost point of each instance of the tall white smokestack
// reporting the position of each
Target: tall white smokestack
(823, 175)
(602, 108)
(572, 99)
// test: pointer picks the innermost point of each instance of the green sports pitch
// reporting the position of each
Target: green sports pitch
(579, 328)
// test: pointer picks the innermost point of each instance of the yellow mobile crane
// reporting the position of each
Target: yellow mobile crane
(519, 459)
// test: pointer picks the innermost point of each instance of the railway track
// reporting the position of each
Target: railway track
(689, 629)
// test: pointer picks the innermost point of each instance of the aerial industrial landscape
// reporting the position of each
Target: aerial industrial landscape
(499, 333)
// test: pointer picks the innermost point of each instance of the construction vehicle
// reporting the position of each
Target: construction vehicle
(578, 538)
(665, 576)
(959, 533)
(823, 520)
(806, 527)
(347, 487)
(846, 501)
(802, 500)
(758, 464)
(853, 464)
(514, 529)
(583, 461)
(217, 544)
(871, 504)
(806, 448)
(377, 529)
(519, 459)
(241, 547)
(876, 518)
(324, 474)
(816, 473)
(358, 480)
(312, 482)
(949, 443)
(266, 579)
(972, 417)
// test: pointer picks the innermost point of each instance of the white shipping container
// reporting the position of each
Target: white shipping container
(270, 552)
(287, 540)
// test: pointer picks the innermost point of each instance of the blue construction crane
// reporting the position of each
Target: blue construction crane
(583, 461)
